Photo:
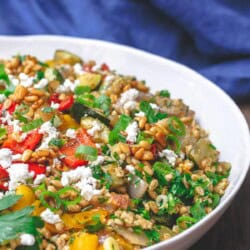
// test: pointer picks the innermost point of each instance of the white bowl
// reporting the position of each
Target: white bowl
(215, 110)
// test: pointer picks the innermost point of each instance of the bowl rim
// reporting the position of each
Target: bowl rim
(197, 77)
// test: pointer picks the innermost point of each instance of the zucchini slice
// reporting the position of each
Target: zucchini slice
(90, 79)
(202, 149)
(102, 132)
(53, 75)
(79, 110)
(66, 57)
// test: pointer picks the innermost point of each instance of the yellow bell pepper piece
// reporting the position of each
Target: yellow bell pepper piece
(28, 197)
(38, 209)
(68, 122)
(79, 220)
(84, 241)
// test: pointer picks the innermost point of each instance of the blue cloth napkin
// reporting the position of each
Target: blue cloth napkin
(210, 36)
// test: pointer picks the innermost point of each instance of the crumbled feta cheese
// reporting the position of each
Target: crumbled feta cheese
(154, 106)
(23, 136)
(54, 105)
(18, 173)
(5, 157)
(2, 98)
(128, 99)
(140, 114)
(50, 217)
(25, 80)
(41, 84)
(27, 239)
(78, 69)
(14, 80)
(96, 127)
(51, 131)
(8, 119)
(67, 86)
(109, 78)
(170, 155)
(130, 169)
(81, 178)
(99, 161)
(39, 179)
(71, 133)
(132, 131)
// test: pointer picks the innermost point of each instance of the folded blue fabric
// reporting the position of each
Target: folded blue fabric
(209, 36)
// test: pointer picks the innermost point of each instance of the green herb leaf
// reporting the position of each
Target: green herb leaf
(48, 110)
(176, 126)
(32, 125)
(79, 90)
(165, 93)
(9, 88)
(48, 194)
(86, 152)
(97, 226)
(121, 125)
(57, 142)
(153, 235)
(185, 221)
(161, 170)
(144, 137)
(8, 201)
(197, 211)
(3, 132)
(103, 102)
(152, 115)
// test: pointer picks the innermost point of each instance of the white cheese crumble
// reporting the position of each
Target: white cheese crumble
(2, 98)
(71, 133)
(25, 80)
(39, 179)
(54, 105)
(140, 114)
(50, 217)
(41, 84)
(7, 119)
(27, 239)
(18, 173)
(132, 131)
(170, 155)
(99, 161)
(96, 67)
(67, 86)
(154, 106)
(81, 178)
(5, 157)
(78, 69)
(51, 131)
(13, 80)
(130, 169)
(96, 127)
(128, 99)
(109, 78)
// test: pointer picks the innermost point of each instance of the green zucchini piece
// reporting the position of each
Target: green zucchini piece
(66, 57)
(90, 79)
(79, 110)
(202, 149)
(102, 132)
(53, 75)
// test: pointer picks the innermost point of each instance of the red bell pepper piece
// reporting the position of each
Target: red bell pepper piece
(68, 150)
(154, 149)
(54, 98)
(12, 107)
(30, 142)
(105, 67)
(66, 104)
(4, 176)
(37, 169)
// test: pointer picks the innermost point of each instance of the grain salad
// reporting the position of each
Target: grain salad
(91, 159)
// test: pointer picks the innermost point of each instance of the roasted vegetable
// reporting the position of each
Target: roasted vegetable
(90, 79)
(53, 75)
(79, 110)
(97, 129)
(66, 57)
